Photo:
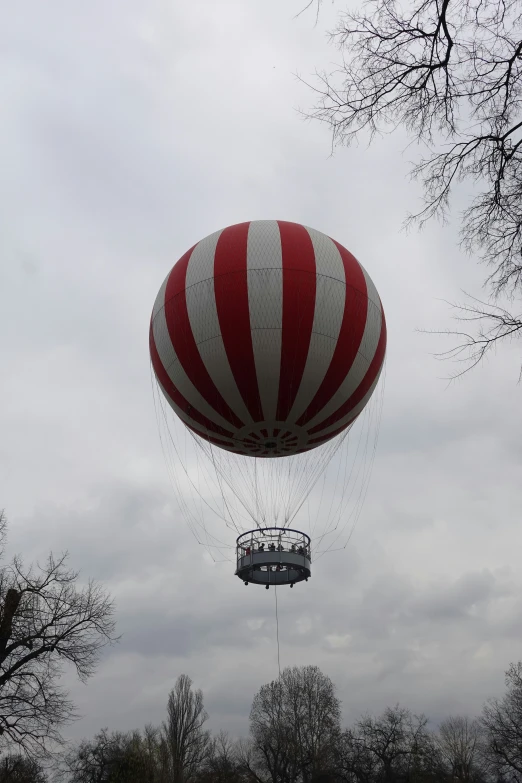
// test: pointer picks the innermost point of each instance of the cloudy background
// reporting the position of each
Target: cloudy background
(129, 131)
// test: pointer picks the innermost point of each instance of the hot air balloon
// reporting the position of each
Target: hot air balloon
(267, 340)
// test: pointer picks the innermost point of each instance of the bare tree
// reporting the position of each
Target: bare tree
(17, 769)
(502, 723)
(46, 622)
(459, 741)
(355, 761)
(489, 325)
(271, 734)
(155, 755)
(223, 763)
(115, 757)
(250, 765)
(185, 738)
(295, 724)
(164, 765)
(396, 747)
(3, 531)
(450, 73)
(310, 4)
(93, 760)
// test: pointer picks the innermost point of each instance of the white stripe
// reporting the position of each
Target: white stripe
(265, 302)
(177, 374)
(352, 413)
(160, 299)
(373, 296)
(204, 322)
(362, 361)
(328, 260)
(330, 300)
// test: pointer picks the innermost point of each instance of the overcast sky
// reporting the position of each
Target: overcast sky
(128, 132)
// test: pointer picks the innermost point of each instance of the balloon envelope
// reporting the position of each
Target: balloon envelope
(267, 338)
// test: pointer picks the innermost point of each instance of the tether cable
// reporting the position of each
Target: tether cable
(277, 632)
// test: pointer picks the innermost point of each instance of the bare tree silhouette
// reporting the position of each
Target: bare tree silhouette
(450, 73)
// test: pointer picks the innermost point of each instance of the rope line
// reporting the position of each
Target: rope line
(277, 632)
(220, 493)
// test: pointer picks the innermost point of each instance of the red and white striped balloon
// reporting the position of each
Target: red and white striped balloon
(267, 338)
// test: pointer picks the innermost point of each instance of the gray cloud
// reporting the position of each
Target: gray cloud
(123, 144)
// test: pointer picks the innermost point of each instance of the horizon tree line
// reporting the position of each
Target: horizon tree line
(295, 735)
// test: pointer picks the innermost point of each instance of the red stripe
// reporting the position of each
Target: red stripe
(364, 386)
(299, 284)
(231, 291)
(175, 396)
(350, 335)
(178, 325)
(215, 441)
(226, 444)
(324, 438)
